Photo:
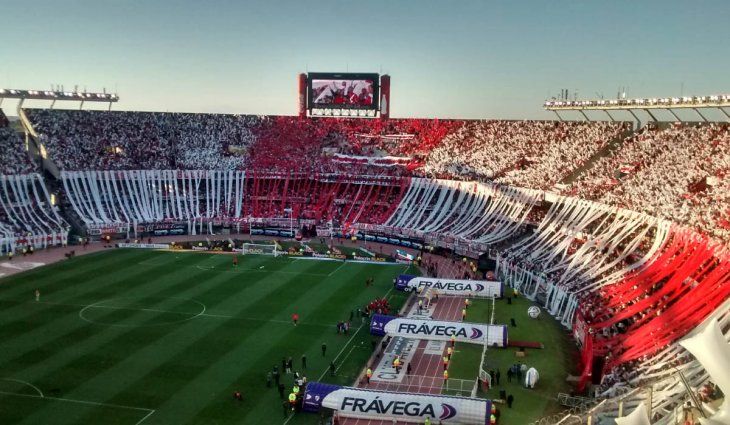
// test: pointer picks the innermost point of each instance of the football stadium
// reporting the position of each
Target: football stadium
(171, 255)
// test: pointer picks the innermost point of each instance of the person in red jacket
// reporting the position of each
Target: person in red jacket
(295, 318)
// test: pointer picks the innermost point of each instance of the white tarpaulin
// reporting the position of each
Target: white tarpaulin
(638, 417)
(711, 349)
(531, 378)
(475, 333)
(408, 407)
(459, 287)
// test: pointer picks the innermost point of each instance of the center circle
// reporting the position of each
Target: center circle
(133, 312)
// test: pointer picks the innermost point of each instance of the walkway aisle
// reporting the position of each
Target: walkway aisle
(425, 358)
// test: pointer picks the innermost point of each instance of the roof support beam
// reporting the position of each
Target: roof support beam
(700, 114)
(674, 115)
(724, 113)
(651, 115)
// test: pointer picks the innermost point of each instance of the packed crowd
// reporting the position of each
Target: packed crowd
(337, 200)
(99, 140)
(13, 157)
(676, 172)
(93, 140)
(534, 154)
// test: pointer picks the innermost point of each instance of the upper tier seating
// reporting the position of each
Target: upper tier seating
(13, 156)
(677, 172)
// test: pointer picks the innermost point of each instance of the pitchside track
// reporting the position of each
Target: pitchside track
(131, 336)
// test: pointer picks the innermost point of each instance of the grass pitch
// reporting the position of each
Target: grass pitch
(138, 337)
(553, 362)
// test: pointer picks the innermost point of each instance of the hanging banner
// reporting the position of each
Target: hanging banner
(405, 407)
(402, 255)
(441, 330)
(457, 287)
(579, 329)
(96, 229)
(143, 245)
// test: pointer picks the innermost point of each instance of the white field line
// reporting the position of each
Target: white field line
(90, 403)
(40, 393)
(244, 270)
(345, 358)
(349, 341)
(334, 360)
(337, 269)
(194, 315)
(146, 416)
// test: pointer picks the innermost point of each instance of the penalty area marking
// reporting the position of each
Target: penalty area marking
(40, 393)
(70, 400)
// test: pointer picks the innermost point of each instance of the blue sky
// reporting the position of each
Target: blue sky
(463, 59)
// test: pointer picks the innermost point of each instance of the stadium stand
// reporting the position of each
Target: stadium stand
(99, 140)
(638, 236)
(26, 214)
(675, 172)
(13, 157)
(535, 154)
(96, 140)
(133, 196)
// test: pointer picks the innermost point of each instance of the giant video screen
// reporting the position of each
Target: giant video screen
(346, 91)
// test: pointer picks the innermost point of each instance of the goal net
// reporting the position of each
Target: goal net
(260, 249)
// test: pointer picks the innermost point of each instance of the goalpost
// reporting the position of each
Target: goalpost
(260, 249)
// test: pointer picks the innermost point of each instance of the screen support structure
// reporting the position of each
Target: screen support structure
(307, 107)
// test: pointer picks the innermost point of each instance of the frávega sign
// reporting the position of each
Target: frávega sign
(475, 333)
(459, 287)
(405, 407)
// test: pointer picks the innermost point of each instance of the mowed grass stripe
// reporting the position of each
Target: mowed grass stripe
(66, 328)
(68, 366)
(17, 408)
(63, 266)
(58, 276)
(133, 361)
(152, 293)
(187, 370)
(119, 345)
(328, 304)
(95, 283)
(68, 331)
(62, 285)
(354, 282)
(223, 361)
(256, 354)
(45, 365)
